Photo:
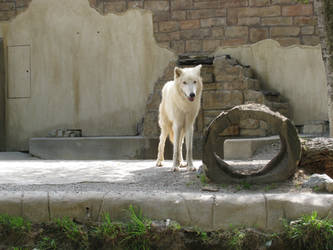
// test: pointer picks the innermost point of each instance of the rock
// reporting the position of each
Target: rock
(320, 181)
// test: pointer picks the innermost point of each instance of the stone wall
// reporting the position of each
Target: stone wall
(200, 26)
(227, 83)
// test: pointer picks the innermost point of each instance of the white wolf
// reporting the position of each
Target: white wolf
(177, 112)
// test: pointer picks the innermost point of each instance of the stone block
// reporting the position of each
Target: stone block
(308, 30)
(82, 206)
(285, 31)
(297, 10)
(315, 128)
(254, 96)
(11, 203)
(151, 127)
(211, 22)
(35, 206)
(258, 34)
(232, 210)
(190, 24)
(193, 45)
(236, 31)
(293, 206)
(178, 15)
(180, 4)
(222, 99)
(156, 5)
(248, 20)
(182, 208)
(277, 21)
(118, 6)
(200, 14)
(168, 26)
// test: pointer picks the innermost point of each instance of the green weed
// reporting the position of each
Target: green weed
(310, 232)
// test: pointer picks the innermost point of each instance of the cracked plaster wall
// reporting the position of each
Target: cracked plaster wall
(88, 71)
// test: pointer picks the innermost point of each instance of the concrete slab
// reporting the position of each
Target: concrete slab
(244, 148)
(102, 148)
(42, 190)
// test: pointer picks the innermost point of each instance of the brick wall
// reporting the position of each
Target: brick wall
(200, 26)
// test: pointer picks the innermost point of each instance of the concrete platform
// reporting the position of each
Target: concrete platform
(101, 148)
(244, 148)
(41, 190)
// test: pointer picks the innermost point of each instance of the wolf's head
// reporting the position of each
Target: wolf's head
(189, 82)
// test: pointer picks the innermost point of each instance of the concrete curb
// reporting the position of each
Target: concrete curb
(207, 211)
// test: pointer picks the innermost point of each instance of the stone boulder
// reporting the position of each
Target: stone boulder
(280, 168)
(320, 181)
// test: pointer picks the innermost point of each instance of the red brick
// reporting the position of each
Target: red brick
(119, 6)
(6, 15)
(7, 6)
(297, 10)
(234, 14)
(236, 31)
(277, 21)
(303, 20)
(284, 1)
(259, 2)
(308, 30)
(23, 3)
(161, 16)
(178, 15)
(258, 34)
(156, 5)
(234, 42)
(178, 46)
(218, 32)
(310, 40)
(190, 24)
(211, 45)
(288, 41)
(285, 31)
(206, 5)
(168, 26)
(181, 4)
(193, 45)
(233, 3)
(198, 14)
(195, 34)
(211, 22)
(248, 20)
(135, 4)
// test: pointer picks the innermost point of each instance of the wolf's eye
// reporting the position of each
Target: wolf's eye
(184, 82)
(194, 82)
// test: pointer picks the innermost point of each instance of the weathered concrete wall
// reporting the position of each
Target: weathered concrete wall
(297, 72)
(2, 97)
(87, 71)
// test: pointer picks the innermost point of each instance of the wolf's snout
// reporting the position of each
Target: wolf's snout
(192, 95)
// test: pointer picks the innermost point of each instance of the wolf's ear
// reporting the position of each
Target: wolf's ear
(178, 72)
(197, 69)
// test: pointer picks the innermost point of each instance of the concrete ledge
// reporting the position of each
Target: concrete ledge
(101, 148)
(206, 211)
(244, 148)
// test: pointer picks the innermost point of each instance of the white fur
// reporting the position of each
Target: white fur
(177, 114)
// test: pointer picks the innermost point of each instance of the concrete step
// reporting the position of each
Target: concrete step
(102, 148)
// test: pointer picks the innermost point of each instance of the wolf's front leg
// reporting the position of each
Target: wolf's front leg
(176, 152)
(189, 144)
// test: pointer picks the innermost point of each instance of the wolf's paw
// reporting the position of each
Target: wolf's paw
(159, 163)
(190, 168)
(174, 169)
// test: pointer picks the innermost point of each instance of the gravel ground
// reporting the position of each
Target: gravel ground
(31, 174)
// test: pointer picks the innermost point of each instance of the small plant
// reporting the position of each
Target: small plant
(175, 226)
(236, 239)
(46, 243)
(73, 232)
(108, 229)
(137, 230)
(203, 179)
(310, 232)
(15, 223)
(270, 187)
